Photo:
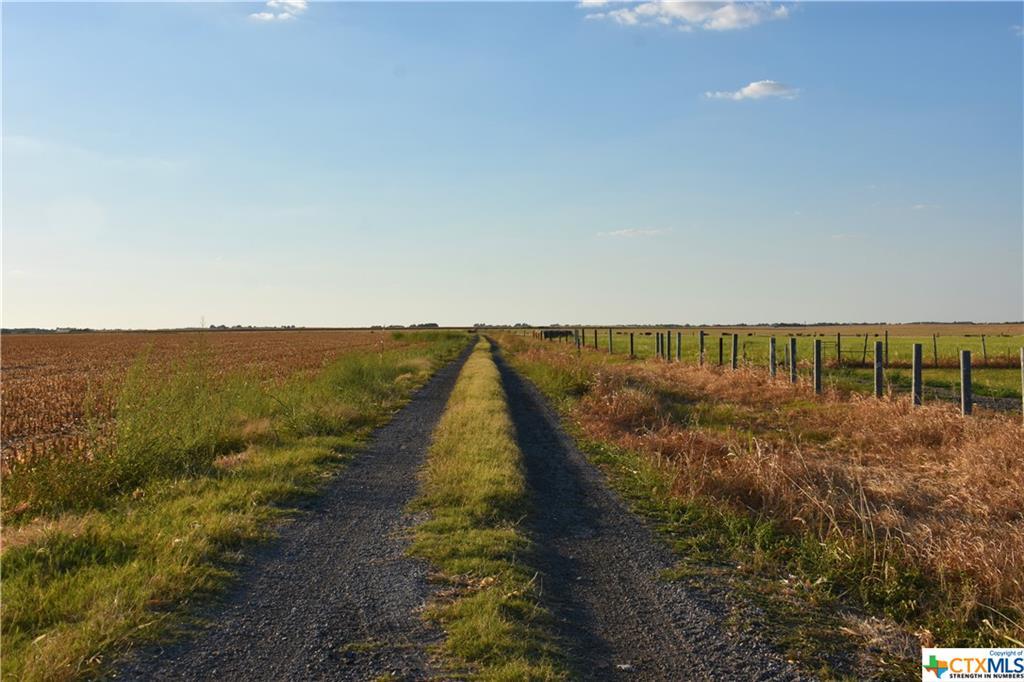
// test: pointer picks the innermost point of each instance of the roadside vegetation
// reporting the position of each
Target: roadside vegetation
(475, 496)
(915, 515)
(107, 545)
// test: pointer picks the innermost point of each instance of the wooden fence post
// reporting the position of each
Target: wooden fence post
(700, 347)
(735, 350)
(916, 375)
(879, 372)
(864, 355)
(595, 339)
(668, 346)
(611, 348)
(632, 353)
(935, 350)
(984, 350)
(657, 344)
(721, 350)
(839, 349)
(966, 399)
(817, 365)
(771, 356)
(679, 346)
(792, 359)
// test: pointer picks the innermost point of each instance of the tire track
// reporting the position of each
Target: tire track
(335, 597)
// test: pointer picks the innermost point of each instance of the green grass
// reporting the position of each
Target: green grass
(169, 502)
(475, 494)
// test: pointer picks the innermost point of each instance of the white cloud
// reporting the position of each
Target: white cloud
(633, 232)
(685, 16)
(281, 10)
(756, 90)
(924, 207)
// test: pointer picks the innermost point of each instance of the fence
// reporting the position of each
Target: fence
(831, 351)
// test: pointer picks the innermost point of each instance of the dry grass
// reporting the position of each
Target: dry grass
(896, 485)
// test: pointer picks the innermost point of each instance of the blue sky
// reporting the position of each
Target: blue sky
(353, 164)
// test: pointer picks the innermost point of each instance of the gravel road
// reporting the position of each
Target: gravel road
(335, 597)
(601, 568)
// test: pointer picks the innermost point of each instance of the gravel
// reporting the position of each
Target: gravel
(335, 597)
(601, 570)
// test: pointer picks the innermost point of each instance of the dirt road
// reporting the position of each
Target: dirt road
(336, 597)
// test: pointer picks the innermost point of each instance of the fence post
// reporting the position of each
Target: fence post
(916, 375)
(611, 348)
(839, 349)
(792, 359)
(595, 339)
(700, 347)
(966, 399)
(817, 365)
(984, 350)
(632, 354)
(657, 344)
(879, 372)
(771, 356)
(735, 350)
(721, 350)
(935, 350)
(887, 348)
(679, 346)
(668, 346)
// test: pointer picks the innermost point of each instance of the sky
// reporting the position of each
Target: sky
(347, 164)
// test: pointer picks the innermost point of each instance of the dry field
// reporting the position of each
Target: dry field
(881, 483)
(48, 380)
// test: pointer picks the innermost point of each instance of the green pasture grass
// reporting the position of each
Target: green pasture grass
(475, 495)
(113, 549)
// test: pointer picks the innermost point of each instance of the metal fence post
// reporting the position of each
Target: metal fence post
(700, 347)
(771, 356)
(817, 365)
(632, 353)
(668, 346)
(735, 350)
(611, 348)
(966, 399)
(721, 350)
(879, 372)
(792, 359)
(916, 375)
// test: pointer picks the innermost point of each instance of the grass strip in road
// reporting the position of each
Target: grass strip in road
(167, 509)
(475, 493)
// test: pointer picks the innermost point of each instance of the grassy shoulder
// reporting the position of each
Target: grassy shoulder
(475, 495)
(834, 515)
(107, 552)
